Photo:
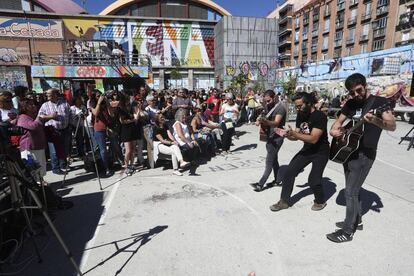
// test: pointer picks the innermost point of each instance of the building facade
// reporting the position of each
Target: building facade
(155, 38)
(248, 46)
(405, 29)
(334, 29)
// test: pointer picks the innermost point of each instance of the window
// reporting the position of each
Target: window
(324, 57)
(297, 21)
(337, 53)
(380, 23)
(174, 9)
(338, 35)
(313, 57)
(198, 12)
(382, 3)
(326, 27)
(327, 9)
(349, 51)
(351, 33)
(378, 45)
(365, 29)
(405, 36)
(297, 36)
(353, 14)
(325, 42)
(367, 8)
(364, 48)
(305, 30)
(144, 10)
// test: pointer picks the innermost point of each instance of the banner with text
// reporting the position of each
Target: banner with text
(32, 28)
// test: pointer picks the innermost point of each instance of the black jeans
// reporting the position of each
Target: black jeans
(356, 171)
(272, 163)
(297, 164)
(227, 136)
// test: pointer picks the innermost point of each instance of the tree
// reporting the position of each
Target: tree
(175, 74)
(289, 85)
(239, 82)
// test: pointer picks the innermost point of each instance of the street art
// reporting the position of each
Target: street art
(32, 28)
(398, 92)
(230, 70)
(85, 71)
(19, 55)
(166, 43)
(263, 69)
(245, 68)
(11, 76)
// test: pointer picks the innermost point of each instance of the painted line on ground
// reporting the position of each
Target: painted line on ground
(91, 242)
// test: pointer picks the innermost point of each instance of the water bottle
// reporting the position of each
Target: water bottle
(30, 161)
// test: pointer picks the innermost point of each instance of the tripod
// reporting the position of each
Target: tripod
(410, 139)
(81, 117)
(19, 176)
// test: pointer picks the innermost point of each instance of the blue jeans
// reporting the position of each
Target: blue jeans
(272, 163)
(100, 137)
(57, 164)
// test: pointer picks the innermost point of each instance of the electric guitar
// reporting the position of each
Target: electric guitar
(342, 147)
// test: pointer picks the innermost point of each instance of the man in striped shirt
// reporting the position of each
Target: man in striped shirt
(56, 112)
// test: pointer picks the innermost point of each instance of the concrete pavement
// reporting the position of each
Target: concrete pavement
(153, 223)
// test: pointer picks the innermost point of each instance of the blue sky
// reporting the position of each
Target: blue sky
(258, 8)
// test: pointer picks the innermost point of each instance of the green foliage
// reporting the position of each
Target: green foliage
(175, 74)
(289, 85)
(239, 82)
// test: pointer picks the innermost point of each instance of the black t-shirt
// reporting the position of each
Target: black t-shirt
(162, 131)
(281, 110)
(372, 133)
(317, 119)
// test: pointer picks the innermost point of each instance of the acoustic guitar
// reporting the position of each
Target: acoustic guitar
(344, 146)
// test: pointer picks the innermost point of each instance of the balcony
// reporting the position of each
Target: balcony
(284, 19)
(352, 21)
(314, 48)
(338, 43)
(381, 11)
(379, 32)
(404, 42)
(363, 37)
(353, 3)
(365, 17)
(285, 29)
(315, 33)
(339, 25)
(340, 7)
(285, 41)
(406, 21)
(350, 40)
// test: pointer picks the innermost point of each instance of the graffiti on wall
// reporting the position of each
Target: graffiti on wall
(85, 71)
(11, 76)
(19, 55)
(32, 28)
(166, 43)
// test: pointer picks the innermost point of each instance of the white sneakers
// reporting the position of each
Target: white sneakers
(184, 164)
(177, 172)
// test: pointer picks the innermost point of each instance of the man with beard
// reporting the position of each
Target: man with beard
(275, 117)
(358, 165)
(311, 128)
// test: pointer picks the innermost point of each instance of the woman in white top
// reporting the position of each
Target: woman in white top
(181, 133)
(230, 112)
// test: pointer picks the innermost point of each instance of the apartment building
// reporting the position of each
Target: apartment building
(405, 26)
(326, 29)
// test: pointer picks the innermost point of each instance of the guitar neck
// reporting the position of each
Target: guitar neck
(357, 125)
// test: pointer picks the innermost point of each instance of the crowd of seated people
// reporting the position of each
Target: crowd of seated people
(186, 126)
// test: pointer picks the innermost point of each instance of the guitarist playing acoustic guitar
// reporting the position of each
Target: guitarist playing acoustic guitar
(274, 116)
(359, 163)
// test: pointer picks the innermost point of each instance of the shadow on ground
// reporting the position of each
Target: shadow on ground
(76, 227)
(329, 189)
(369, 200)
(139, 238)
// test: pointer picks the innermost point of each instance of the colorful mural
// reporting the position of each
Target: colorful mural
(85, 71)
(32, 28)
(167, 43)
(14, 56)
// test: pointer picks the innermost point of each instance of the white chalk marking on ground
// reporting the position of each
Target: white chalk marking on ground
(252, 210)
(394, 166)
(91, 242)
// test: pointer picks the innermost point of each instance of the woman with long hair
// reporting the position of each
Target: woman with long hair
(33, 142)
(128, 133)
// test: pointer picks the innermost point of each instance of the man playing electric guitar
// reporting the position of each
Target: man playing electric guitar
(358, 165)
(275, 116)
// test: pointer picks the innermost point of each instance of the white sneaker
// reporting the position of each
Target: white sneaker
(176, 172)
(184, 164)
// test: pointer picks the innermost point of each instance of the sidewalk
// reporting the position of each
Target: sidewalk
(154, 223)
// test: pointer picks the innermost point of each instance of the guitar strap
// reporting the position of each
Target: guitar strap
(368, 106)
(271, 110)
